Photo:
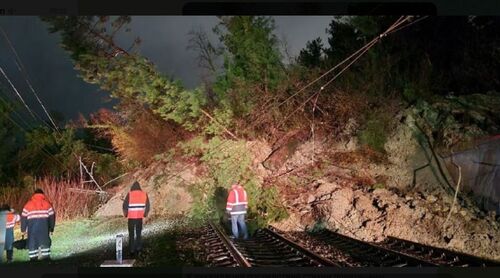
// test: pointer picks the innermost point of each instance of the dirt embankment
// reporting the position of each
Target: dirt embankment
(375, 214)
(167, 185)
(345, 189)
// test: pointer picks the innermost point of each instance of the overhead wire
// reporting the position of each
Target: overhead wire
(29, 109)
(336, 66)
(358, 54)
(22, 69)
(409, 24)
(17, 93)
(42, 148)
(360, 51)
(27, 124)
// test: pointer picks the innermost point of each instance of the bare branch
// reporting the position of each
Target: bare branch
(207, 52)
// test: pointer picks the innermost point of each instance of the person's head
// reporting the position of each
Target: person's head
(135, 186)
(38, 191)
(5, 207)
(235, 184)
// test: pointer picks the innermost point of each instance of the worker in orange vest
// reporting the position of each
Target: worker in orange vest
(135, 208)
(12, 219)
(38, 220)
(237, 205)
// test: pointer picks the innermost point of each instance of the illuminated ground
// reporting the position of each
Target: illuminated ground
(89, 242)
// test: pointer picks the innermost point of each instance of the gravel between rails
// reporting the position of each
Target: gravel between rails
(321, 248)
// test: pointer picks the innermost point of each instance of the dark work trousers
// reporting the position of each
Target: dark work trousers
(134, 235)
(9, 240)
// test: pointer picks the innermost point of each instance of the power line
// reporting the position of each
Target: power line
(42, 148)
(368, 45)
(26, 123)
(22, 69)
(360, 51)
(364, 49)
(409, 24)
(17, 93)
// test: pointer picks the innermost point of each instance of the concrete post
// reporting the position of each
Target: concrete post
(119, 245)
(3, 222)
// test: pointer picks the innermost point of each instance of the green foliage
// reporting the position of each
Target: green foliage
(127, 76)
(228, 162)
(47, 152)
(252, 61)
(311, 55)
(436, 55)
(342, 41)
(376, 130)
(269, 206)
(9, 140)
(223, 118)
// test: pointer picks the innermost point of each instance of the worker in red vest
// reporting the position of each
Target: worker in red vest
(135, 208)
(237, 205)
(12, 219)
(38, 220)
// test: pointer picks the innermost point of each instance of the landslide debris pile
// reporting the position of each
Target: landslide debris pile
(343, 187)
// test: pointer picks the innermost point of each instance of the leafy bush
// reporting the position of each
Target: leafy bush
(228, 162)
(49, 153)
(9, 140)
(141, 136)
(252, 62)
(127, 76)
(377, 128)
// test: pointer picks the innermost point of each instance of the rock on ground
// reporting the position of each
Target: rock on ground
(339, 201)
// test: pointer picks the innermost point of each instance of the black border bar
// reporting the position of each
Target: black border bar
(308, 8)
(249, 7)
(60, 271)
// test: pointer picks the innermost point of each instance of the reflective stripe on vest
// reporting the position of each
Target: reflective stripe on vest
(38, 213)
(136, 204)
(239, 204)
(238, 200)
(11, 220)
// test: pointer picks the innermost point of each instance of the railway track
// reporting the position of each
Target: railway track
(267, 247)
(436, 255)
(369, 254)
(222, 251)
(264, 248)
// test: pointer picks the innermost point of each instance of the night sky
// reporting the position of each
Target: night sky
(164, 42)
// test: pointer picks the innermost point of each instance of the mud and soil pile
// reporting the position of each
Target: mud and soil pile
(367, 197)
(167, 185)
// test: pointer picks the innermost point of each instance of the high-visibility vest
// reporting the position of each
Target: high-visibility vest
(12, 219)
(136, 204)
(237, 201)
(38, 207)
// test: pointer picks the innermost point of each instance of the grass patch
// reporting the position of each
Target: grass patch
(88, 242)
